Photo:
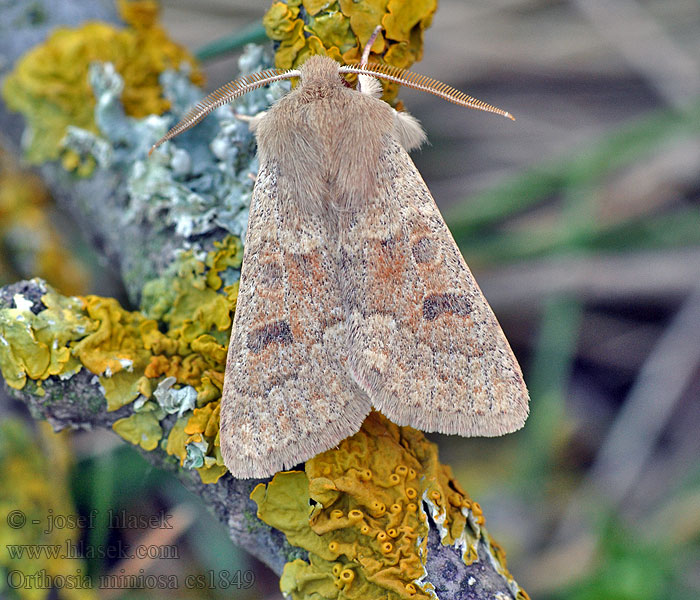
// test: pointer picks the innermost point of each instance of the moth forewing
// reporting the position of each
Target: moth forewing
(425, 345)
(287, 394)
(353, 292)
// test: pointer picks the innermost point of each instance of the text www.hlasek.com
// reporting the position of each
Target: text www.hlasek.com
(72, 550)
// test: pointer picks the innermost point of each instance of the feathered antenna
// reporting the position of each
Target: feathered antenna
(423, 83)
(238, 87)
(224, 95)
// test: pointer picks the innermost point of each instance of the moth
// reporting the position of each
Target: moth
(353, 292)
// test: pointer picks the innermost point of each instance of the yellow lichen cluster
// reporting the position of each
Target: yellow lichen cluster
(340, 29)
(365, 528)
(31, 245)
(36, 346)
(201, 427)
(182, 333)
(50, 86)
(26, 503)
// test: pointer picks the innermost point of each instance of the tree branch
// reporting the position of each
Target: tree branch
(142, 218)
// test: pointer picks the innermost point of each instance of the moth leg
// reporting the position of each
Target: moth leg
(252, 120)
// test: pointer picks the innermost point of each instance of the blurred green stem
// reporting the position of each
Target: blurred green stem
(679, 228)
(550, 373)
(547, 381)
(102, 476)
(252, 34)
(611, 153)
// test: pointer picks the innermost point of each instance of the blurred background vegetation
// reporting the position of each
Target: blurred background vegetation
(581, 221)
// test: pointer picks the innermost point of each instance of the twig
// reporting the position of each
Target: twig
(642, 419)
(645, 45)
(667, 274)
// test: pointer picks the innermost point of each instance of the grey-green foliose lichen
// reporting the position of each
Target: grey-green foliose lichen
(200, 182)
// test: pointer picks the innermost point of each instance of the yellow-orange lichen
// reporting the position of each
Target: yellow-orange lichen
(361, 523)
(32, 245)
(340, 29)
(35, 469)
(50, 86)
(130, 353)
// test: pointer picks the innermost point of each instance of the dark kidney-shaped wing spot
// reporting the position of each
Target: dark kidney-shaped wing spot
(389, 244)
(278, 332)
(424, 250)
(440, 304)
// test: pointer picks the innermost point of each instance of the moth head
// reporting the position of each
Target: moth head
(320, 71)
